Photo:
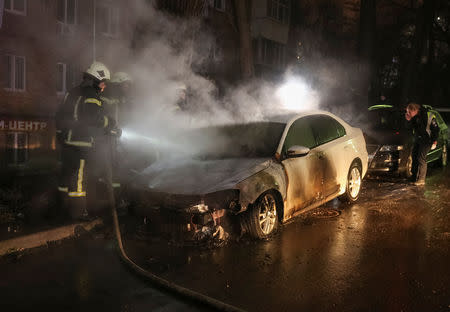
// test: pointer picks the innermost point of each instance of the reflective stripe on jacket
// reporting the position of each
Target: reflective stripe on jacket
(81, 117)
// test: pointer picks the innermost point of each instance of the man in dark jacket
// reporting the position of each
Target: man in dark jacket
(82, 128)
(426, 132)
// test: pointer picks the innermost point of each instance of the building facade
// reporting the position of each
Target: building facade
(44, 47)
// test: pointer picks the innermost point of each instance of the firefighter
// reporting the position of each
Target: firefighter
(426, 132)
(116, 99)
(82, 125)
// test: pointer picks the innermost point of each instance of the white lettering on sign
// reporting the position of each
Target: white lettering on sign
(22, 125)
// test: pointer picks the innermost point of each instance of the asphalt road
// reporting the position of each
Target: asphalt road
(388, 252)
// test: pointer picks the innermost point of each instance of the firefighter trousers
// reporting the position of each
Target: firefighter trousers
(73, 180)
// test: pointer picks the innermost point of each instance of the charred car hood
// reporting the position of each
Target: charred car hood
(199, 176)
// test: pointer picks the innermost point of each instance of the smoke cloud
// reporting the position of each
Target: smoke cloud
(164, 52)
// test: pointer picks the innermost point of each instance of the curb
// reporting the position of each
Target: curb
(42, 238)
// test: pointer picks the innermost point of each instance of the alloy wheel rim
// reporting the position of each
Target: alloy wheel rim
(267, 214)
(354, 182)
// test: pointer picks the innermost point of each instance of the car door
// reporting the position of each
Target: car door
(442, 138)
(331, 145)
(303, 173)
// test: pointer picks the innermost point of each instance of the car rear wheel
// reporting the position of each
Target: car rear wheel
(262, 219)
(353, 187)
(444, 155)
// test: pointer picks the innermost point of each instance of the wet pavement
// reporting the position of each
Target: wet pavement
(388, 252)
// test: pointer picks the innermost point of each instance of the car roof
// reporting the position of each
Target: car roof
(380, 106)
(288, 117)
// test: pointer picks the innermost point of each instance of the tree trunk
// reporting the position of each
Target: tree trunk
(366, 44)
(246, 51)
(409, 90)
(367, 29)
(429, 83)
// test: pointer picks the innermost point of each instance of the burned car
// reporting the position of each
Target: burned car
(260, 174)
(390, 141)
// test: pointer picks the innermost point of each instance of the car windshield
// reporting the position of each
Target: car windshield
(387, 119)
(252, 140)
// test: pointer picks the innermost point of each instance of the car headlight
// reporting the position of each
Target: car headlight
(391, 148)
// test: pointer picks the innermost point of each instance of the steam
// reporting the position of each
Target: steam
(294, 94)
(171, 53)
(167, 54)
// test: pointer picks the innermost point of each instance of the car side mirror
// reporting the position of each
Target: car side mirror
(297, 151)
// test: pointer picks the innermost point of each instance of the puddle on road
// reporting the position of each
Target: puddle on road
(323, 213)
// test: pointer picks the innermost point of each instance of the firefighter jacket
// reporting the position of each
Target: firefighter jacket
(81, 118)
(425, 126)
(113, 106)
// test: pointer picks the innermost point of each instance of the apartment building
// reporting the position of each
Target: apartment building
(269, 28)
(44, 46)
(270, 22)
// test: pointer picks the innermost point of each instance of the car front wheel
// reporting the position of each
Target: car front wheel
(353, 187)
(262, 219)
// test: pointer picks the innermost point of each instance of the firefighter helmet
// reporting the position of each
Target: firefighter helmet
(120, 77)
(99, 71)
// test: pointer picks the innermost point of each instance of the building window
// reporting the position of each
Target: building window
(219, 5)
(108, 20)
(270, 53)
(67, 16)
(215, 52)
(16, 6)
(67, 77)
(279, 10)
(15, 73)
(16, 148)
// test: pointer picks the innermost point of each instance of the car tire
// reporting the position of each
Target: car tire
(353, 185)
(262, 219)
(444, 156)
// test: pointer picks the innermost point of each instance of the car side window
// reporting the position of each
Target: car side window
(300, 133)
(327, 129)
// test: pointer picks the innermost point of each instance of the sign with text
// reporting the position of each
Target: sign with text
(23, 125)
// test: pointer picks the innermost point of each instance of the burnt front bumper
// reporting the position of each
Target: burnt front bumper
(188, 217)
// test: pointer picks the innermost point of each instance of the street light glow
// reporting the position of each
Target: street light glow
(296, 95)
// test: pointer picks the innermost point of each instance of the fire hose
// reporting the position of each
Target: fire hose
(172, 287)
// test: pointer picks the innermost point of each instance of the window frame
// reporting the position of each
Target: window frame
(337, 130)
(270, 53)
(223, 6)
(291, 127)
(71, 77)
(12, 10)
(68, 28)
(111, 11)
(276, 5)
(64, 79)
(12, 77)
